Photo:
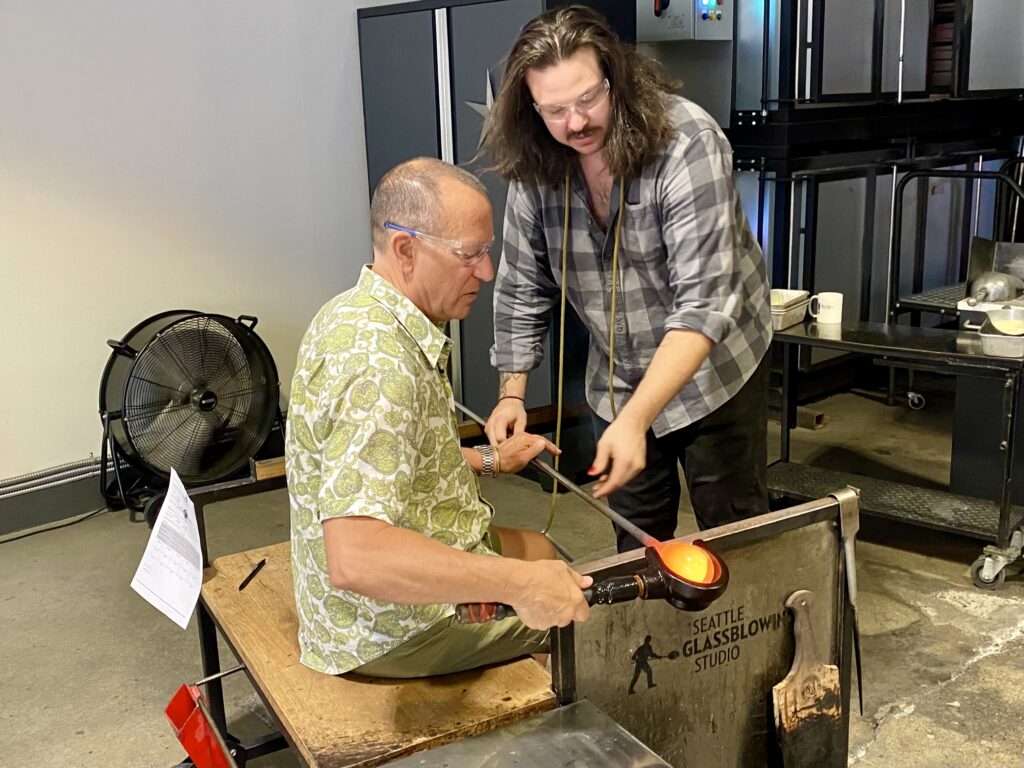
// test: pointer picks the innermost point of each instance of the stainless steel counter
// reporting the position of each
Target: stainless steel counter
(575, 736)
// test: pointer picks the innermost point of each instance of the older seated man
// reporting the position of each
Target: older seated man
(388, 526)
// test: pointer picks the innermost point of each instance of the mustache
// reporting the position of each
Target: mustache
(586, 132)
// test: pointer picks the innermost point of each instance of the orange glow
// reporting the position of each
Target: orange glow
(689, 562)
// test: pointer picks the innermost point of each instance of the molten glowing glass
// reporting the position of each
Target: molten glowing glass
(689, 562)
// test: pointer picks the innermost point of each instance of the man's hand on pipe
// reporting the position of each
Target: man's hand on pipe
(517, 451)
(550, 594)
(507, 419)
(621, 454)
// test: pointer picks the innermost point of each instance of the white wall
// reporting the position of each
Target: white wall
(160, 155)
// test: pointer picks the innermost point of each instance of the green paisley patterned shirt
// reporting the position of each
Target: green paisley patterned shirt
(372, 432)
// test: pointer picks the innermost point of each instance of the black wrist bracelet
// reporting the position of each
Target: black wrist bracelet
(512, 397)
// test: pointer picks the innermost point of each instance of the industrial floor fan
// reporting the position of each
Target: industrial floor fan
(183, 390)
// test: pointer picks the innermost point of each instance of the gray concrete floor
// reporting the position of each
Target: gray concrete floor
(90, 666)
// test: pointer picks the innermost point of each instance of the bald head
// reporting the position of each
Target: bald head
(412, 195)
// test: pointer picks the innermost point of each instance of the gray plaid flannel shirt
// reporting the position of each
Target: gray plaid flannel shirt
(687, 261)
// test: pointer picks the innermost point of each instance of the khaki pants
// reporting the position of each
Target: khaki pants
(452, 647)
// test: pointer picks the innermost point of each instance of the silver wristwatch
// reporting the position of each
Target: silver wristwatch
(487, 456)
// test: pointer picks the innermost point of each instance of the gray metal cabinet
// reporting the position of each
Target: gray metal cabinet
(847, 42)
(479, 37)
(993, 41)
(907, 23)
(399, 92)
(755, 71)
(850, 50)
(860, 43)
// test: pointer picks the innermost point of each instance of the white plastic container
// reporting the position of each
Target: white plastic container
(785, 298)
(789, 307)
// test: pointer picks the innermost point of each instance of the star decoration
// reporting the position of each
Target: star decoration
(484, 110)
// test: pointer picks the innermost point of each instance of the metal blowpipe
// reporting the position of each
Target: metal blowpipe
(646, 539)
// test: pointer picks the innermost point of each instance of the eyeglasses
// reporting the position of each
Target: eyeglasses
(467, 253)
(585, 103)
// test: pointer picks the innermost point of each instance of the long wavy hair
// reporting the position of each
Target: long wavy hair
(639, 126)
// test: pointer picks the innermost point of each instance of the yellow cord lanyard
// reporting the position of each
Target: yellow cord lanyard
(561, 327)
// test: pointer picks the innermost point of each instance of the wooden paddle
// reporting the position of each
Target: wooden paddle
(808, 711)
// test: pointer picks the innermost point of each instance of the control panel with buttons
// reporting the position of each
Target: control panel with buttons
(713, 19)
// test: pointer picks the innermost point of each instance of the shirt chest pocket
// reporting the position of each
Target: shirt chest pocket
(642, 236)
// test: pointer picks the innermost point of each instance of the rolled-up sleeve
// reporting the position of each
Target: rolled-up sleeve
(700, 212)
(524, 289)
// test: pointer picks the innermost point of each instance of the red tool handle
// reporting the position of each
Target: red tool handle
(479, 613)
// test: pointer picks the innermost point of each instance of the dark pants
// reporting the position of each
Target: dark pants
(724, 458)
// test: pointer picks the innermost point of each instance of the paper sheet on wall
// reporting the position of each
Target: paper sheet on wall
(171, 572)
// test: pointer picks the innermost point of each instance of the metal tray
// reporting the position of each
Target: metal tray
(1000, 345)
(995, 343)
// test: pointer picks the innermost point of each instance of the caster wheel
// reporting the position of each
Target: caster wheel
(915, 400)
(152, 508)
(981, 583)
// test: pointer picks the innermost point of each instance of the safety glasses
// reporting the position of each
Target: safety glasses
(467, 253)
(557, 113)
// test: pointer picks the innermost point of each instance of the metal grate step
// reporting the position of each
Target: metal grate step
(942, 300)
(965, 515)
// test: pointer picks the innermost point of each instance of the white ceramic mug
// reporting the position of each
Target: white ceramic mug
(827, 307)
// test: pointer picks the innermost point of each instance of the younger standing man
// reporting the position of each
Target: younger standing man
(661, 267)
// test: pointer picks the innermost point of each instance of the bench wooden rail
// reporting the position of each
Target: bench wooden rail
(538, 420)
(335, 722)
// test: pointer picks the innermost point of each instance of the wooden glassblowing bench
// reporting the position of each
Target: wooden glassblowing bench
(334, 721)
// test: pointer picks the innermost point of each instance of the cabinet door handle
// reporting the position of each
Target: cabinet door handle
(903, 30)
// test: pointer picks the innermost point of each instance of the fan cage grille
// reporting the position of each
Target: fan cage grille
(200, 398)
